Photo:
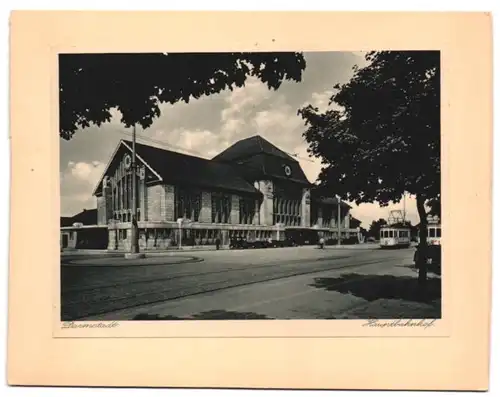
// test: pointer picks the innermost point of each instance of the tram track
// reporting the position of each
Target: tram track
(78, 310)
(195, 273)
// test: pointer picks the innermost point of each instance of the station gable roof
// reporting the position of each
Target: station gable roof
(182, 169)
(258, 158)
(250, 147)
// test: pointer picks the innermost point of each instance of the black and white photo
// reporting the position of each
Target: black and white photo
(258, 185)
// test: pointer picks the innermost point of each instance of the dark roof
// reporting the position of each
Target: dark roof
(250, 147)
(354, 223)
(262, 166)
(257, 158)
(66, 221)
(179, 168)
(319, 195)
(86, 217)
(330, 201)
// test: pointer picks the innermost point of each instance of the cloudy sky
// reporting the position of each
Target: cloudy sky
(208, 125)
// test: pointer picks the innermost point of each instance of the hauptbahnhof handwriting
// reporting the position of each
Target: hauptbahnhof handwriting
(72, 324)
(400, 323)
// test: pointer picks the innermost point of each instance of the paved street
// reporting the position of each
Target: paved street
(281, 283)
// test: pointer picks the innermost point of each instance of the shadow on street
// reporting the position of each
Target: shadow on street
(376, 287)
(209, 315)
(431, 269)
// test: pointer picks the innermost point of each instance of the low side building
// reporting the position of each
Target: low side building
(251, 190)
(81, 231)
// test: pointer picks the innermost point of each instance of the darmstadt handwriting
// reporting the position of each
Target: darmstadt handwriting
(90, 324)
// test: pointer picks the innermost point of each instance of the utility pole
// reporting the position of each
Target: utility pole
(338, 221)
(134, 246)
(404, 208)
(134, 230)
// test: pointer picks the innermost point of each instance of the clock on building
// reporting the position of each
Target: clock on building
(127, 161)
(288, 170)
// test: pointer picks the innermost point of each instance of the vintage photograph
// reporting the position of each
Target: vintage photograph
(257, 185)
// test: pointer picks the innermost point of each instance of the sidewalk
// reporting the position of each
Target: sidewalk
(70, 252)
(208, 248)
(394, 309)
(119, 261)
(353, 246)
(394, 295)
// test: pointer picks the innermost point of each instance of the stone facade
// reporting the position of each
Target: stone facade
(169, 204)
(206, 207)
(104, 206)
(101, 211)
(266, 206)
(306, 208)
(156, 203)
(235, 209)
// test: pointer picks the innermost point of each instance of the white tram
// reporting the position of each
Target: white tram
(433, 231)
(434, 234)
(395, 237)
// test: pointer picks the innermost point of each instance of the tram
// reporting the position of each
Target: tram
(433, 231)
(434, 234)
(395, 237)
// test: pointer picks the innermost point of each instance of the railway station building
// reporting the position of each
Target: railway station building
(252, 190)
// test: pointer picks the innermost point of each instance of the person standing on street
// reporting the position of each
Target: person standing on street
(321, 243)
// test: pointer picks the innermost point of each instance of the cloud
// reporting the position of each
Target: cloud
(240, 106)
(200, 143)
(369, 212)
(87, 172)
(321, 100)
(241, 100)
(77, 182)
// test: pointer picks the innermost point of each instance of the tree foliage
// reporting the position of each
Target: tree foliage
(383, 137)
(90, 85)
(375, 226)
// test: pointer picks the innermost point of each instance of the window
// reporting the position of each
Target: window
(187, 204)
(314, 214)
(432, 232)
(327, 216)
(287, 211)
(221, 208)
(247, 210)
(438, 232)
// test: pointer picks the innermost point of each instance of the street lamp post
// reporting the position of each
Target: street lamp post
(134, 230)
(179, 222)
(338, 221)
(134, 246)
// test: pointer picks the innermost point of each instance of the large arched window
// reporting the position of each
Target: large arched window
(247, 210)
(187, 203)
(221, 207)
